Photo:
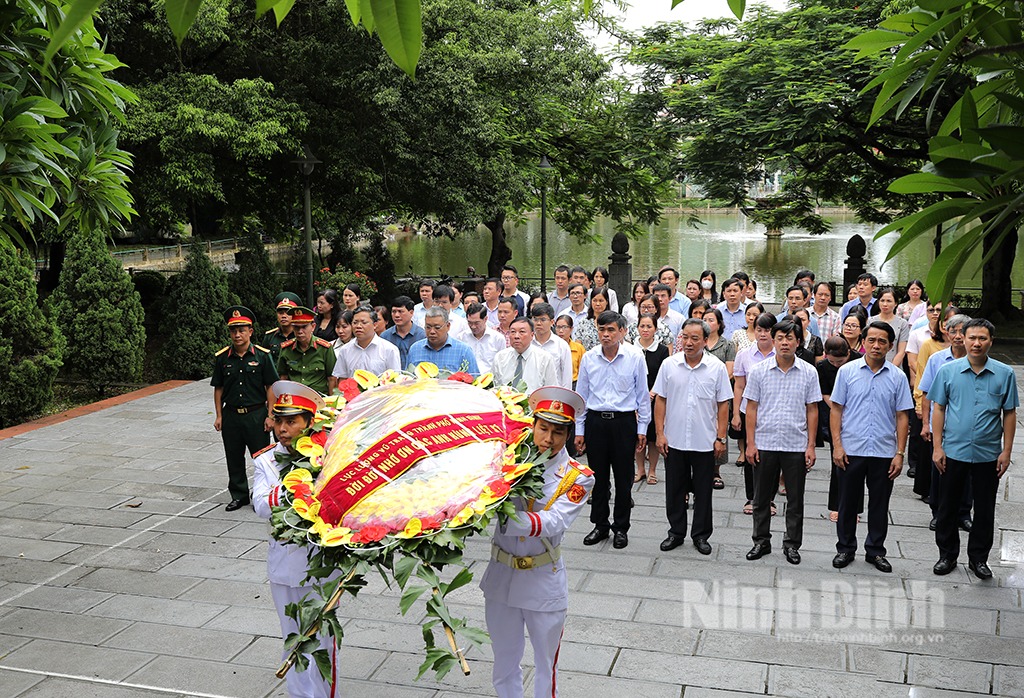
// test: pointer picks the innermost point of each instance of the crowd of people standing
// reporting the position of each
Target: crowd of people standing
(889, 381)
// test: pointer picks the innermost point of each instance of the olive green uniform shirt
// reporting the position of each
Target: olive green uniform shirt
(244, 378)
(312, 367)
(273, 340)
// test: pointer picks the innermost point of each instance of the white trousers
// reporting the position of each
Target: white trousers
(506, 625)
(308, 683)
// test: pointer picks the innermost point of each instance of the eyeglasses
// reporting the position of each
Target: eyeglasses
(577, 293)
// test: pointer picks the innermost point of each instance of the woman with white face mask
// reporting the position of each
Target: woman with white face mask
(708, 286)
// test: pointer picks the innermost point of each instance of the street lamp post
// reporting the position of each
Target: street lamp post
(306, 165)
(544, 166)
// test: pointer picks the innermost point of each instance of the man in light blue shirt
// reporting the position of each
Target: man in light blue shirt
(799, 297)
(734, 307)
(977, 397)
(403, 334)
(679, 303)
(439, 349)
(869, 426)
(612, 381)
(866, 285)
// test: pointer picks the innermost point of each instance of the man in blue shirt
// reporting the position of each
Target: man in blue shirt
(866, 285)
(404, 333)
(869, 426)
(679, 303)
(439, 349)
(613, 382)
(977, 397)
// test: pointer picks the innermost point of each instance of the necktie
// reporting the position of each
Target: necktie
(519, 371)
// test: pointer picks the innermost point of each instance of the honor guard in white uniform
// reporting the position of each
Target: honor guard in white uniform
(294, 407)
(525, 584)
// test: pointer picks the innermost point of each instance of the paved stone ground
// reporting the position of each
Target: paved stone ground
(121, 576)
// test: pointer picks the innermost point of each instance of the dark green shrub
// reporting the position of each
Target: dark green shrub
(193, 321)
(256, 282)
(151, 285)
(31, 347)
(380, 267)
(100, 314)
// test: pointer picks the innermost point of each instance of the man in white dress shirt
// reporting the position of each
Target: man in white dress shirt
(613, 382)
(481, 337)
(691, 414)
(367, 351)
(522, 362)
(543, 316)
(525, 585)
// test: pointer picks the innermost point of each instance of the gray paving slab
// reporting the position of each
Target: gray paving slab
(121, 581)
(217, 568)
(61, 688)
(34, 549)
(100, 536)
(120, 557)
(94, 662)
(946, 673)
(747, 676)
(241, 594)
(252, 621)
(165, 611)
(15, 683)
(49, 598)
(197, 675)
(53, 625)
(158, 637)
(39, 572)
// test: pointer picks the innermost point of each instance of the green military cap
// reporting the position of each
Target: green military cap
(238, 315)
(301, 315)
(286, 299)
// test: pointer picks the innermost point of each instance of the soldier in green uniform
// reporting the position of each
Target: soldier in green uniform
(243, 375)
(307, 359)
(273, 339)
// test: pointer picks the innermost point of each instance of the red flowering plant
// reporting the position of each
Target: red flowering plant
(418, 521)
(340, 277)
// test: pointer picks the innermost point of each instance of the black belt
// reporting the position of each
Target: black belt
(246, 410)
(611, 415)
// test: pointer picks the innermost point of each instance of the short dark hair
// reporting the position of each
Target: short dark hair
(478, 309)
(567, 318)
(542, 309)
(823, 283)
(665, 269)
(572, 286)
(509, 267)
(427, 282)
(662, 287)
(690, 322)
(562, 267)
(699, 303)
(497, 282)
(868, 276)
(403, 302)
(804, 274)
(444, 291)
(467, 294)
(787, 326)
(732, 280)
(881, 325)
(980, 322)
(522, 319)
(579, 270)
(610, 317)
(511, 300)
(765, 321)
(742, 276)
(837, 346)
(801, 289)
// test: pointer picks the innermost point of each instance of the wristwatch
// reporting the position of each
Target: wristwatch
(722, 441)
(901, 453)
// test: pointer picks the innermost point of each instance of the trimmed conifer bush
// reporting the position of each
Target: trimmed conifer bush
(31, 347)
(256, 283)
(99, 312)
(193, 322)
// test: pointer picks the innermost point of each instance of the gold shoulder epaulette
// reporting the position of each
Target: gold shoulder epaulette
(223, 350)
(262, 451)
(324, 343)
(288, 343)
(263, 349)
(582, 468)
(270, 331)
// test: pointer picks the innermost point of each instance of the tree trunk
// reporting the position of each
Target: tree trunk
(500, 251)
(996, 285)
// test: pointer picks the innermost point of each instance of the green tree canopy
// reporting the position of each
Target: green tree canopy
(777, 91)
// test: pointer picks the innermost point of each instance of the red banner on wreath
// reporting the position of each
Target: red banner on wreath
(401, 449)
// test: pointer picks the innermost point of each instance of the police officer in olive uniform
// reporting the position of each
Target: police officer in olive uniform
(307, 359)
(243, 374)
(273, 339)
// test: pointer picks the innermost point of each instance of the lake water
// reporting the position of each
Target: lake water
(727, 243)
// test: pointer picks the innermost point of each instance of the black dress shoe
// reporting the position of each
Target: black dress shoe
(926, 499)
(235, 504)
(966, 524)
(759, 550)
(595, 536)
(792, 555)
(932, 524)
(980, 569)
(879, 561)
(912, 472)
(620, 539)
(841, 560)
(702, 546)
(672, 542)
(944, 566)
